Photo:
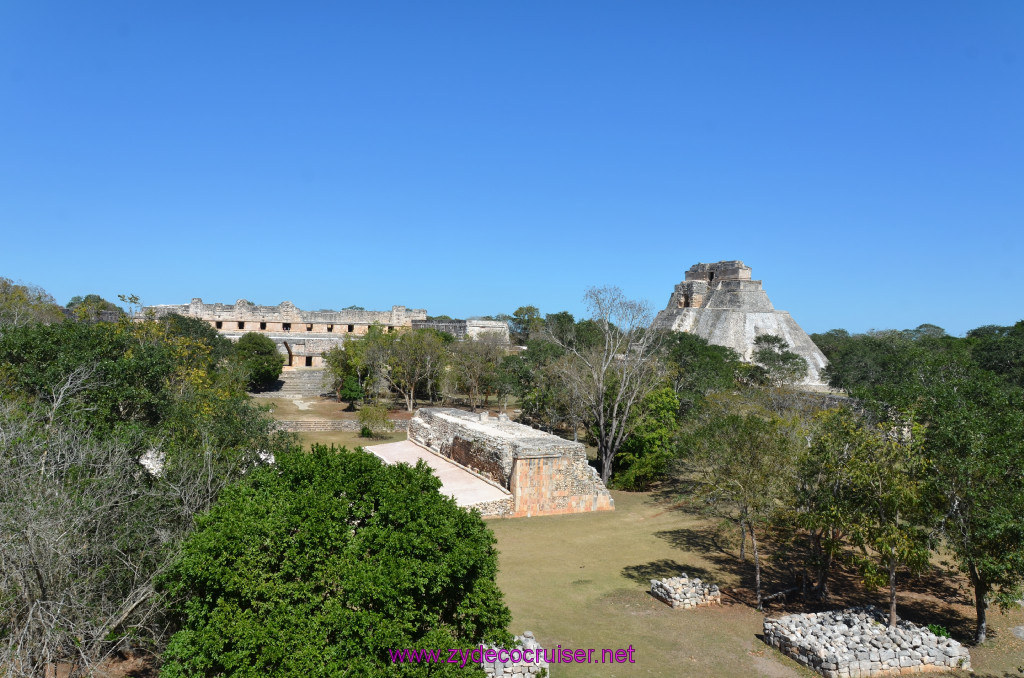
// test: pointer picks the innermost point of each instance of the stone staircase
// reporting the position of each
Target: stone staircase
(297, 383)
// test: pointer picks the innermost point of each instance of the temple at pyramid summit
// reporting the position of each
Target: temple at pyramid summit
(720, 303)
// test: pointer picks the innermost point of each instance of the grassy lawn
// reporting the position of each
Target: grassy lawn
(349, 439)
(581, 581)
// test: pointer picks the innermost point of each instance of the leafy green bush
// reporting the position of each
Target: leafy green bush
(320, 565)
(365, 432)
(939, 630)
(375, 419)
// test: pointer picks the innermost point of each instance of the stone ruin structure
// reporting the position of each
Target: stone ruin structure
(472, 328)
(303, 337)
(685, 592)
(545, 474)
(720, 303)
(858, 643)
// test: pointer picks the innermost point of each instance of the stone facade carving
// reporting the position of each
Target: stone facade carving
(302, 337)
(545, 474)
(721, 303)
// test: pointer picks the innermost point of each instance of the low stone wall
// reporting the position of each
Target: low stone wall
(519, 668)
(857, 642)
(685, 592)
(499, 508)
(321, 425)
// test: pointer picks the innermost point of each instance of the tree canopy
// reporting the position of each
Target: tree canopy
(321, 565)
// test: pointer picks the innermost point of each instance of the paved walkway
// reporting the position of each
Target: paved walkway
(456, 482)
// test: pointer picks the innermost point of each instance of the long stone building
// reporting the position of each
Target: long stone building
(721, 303)
(301, 336)
(541, 473)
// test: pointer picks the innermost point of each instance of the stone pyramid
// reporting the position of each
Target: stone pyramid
(720, 303)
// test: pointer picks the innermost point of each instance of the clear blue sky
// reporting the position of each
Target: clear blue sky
(469, 157)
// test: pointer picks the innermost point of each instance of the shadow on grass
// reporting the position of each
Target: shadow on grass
(706, 540)
(673, 491)
(662, 569)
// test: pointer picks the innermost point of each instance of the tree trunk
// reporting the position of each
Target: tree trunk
(605, 454)
(757, 564)
(980, 605)
(743, 540)
(824, 565)
(892, 593)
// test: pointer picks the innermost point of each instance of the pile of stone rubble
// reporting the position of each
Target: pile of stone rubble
(685, 592)
(858, 642)
(519, 668)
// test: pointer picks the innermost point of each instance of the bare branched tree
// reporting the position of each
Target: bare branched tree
(612, 376)
(78, 547)
(85, 531)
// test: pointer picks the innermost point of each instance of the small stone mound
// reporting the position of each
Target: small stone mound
(685, 592)
(857, 642)
(519, 668)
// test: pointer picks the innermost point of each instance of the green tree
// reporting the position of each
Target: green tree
(474, 364)
(825, 501)
(259, 357)
(177, 325)
(974, 434)
(321, 565)
(412, 357)
(93, 307)
(1000, 350)
(971, 435)
(781, 366)
(887, 474)
(646, 453)
(696, 368)
(24, 304)
(745, 463)
(374, 421)
(351, 392)
(526, 321)
(346, 363)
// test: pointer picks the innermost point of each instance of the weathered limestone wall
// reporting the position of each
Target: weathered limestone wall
(302, 337)
(547, 485)
(474, 329)
(544, 473)
(286, 312)
(479, 329)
